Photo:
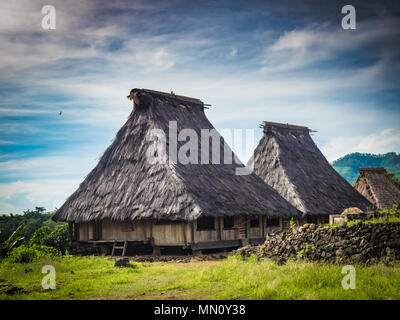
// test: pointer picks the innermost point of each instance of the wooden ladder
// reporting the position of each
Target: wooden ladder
(242, 229)
(116, 246)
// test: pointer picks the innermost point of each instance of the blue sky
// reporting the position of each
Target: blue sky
(284, 61)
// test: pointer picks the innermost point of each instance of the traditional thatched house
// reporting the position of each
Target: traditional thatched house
(288, 160)
(375, 184)
(194, 206)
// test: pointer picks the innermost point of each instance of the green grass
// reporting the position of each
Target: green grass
(388, 219)
(375, 220)
(234, 278)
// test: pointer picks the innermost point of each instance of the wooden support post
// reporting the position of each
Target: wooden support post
(247, 227)
(193, 234)
(125, 248)
(156, 250)
(219, 224)
(76, 231)
(150, 225)
(113, 249)
(71, 231)
(184, 224)
(263, 226)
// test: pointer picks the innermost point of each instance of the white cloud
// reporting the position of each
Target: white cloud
(387, 140)
(234, 52)
(5, 142)
(339, 146)
(60, 165)
(21, 111)
(44, 181)
(47, 193)
(381, 142)
(304, 47)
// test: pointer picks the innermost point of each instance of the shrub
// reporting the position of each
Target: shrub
(25, 254)
(57, 238)
(45, 251)
(12, 242)
(292, 223)
(22, 254)
(40, 237)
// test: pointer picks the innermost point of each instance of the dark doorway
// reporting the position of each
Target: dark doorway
(97, 226)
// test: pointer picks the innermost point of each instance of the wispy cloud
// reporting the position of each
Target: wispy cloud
(320, 43)
(387, 140)
(19, 196)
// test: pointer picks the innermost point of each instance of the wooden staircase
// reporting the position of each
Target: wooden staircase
(241, 227)
(242, 231)
(119, 245)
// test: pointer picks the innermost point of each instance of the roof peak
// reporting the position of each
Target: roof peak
(266, 124)
(372, 169)
(170, 95)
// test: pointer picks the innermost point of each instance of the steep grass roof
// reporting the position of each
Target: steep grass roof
(288, 160)
(124, 185)
(377, 186)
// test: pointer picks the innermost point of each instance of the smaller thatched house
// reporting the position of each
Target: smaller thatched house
(376, 185)
(195, 205)
(288, 160)
(352, 213)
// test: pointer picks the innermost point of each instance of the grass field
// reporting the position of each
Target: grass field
(233, 278)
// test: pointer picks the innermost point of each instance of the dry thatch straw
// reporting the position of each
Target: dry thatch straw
(124, 185)
(377, 186)
(288, 160)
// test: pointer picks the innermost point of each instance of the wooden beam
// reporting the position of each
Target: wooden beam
(184, 233)
(247, 227)
(71, 231)
(124, 248)
(216, 244)
(193, 234)
(262, 226)
(219, 227)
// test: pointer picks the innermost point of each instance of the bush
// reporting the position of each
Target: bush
(45, 251)
(12, 242)
(40, 237)
(22, 254)
(57, 238)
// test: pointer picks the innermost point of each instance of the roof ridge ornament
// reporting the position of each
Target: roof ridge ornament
(171, 95)
(266, 124)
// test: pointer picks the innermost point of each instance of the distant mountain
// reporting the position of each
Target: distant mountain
(347, 166)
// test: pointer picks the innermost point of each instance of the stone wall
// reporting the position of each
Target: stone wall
(360, 243)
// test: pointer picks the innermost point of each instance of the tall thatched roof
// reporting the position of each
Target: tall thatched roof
(288, 160)
(124, 185)
(375, 184)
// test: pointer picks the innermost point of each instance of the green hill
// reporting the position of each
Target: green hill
(347, 166)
